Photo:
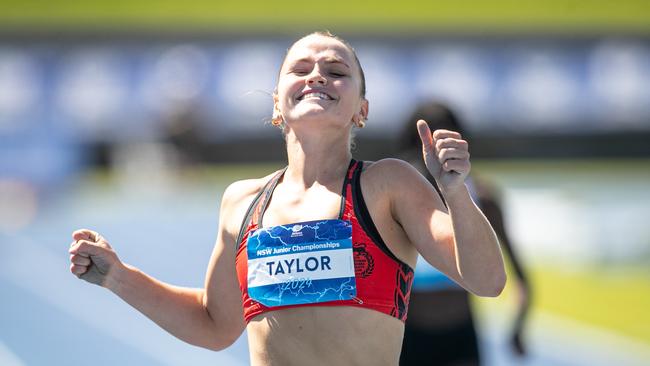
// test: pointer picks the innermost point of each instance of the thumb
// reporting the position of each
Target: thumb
(428, 149)
(425, 135)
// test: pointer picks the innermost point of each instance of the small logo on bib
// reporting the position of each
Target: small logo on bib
(295, 231)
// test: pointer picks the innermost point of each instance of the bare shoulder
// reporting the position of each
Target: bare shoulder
(237, 198)
(399, 182)
(390, 172)
(242, 189)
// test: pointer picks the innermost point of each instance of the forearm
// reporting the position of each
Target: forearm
(478, 255)
(180, 311)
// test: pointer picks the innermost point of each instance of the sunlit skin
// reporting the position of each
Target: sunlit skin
(319, 99)
(326, 68)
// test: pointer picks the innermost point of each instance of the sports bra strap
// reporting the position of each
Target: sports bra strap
(264, 194)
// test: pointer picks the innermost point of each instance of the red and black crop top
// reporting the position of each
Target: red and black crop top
(383, 281)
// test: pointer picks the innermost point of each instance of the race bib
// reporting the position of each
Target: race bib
(302, 263)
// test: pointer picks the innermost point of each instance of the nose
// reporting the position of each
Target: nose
(316, 77)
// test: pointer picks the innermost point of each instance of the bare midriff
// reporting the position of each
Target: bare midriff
(321, 335)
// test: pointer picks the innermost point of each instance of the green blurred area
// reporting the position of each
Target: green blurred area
(570, 16)
(617, 300)
(613, 299)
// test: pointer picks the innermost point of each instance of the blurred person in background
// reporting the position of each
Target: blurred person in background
(319, 255)
(440, 329)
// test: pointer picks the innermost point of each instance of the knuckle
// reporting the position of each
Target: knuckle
(79, 232)
(85, 245)
(449, 153)
(79, 260)
(77, 269)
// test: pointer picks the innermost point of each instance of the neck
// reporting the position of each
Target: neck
(317, 158)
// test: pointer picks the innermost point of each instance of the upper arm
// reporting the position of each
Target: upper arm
(419, 210)
(222, 296)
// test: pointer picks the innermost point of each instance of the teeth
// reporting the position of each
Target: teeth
(319, 96)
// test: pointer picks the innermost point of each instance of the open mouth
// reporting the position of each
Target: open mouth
(315, 96)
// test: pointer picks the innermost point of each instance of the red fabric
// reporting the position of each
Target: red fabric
(383, 283)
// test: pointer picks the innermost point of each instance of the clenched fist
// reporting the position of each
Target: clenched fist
(92, 258)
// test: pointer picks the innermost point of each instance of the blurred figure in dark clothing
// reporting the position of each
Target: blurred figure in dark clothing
(440, 328)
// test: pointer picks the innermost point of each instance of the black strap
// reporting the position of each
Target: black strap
(364, 218)
(344, 189)
(268, 192)
(253, 206)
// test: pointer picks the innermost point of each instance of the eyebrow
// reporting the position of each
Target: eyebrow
(330, 60)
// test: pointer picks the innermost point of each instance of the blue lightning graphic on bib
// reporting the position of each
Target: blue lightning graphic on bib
(301, 263)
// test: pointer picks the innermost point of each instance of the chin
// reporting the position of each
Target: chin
(312, 113)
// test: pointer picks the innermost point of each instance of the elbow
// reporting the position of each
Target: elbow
(220, 345)
(498, 285)
(217, 335)
(216, 346)
(223, 329)
(222, 341)
(492, 288)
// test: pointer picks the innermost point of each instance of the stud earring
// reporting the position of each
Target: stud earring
(277, 120)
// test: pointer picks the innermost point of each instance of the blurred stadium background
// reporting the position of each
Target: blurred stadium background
(131, 117)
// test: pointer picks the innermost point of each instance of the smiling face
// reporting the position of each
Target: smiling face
(320, 81)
